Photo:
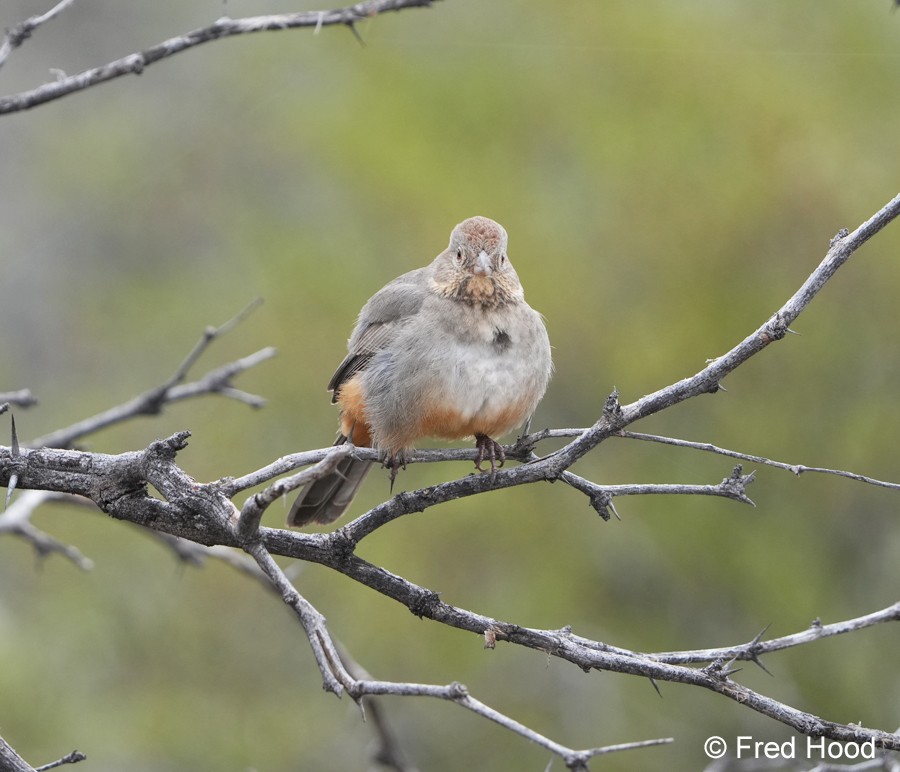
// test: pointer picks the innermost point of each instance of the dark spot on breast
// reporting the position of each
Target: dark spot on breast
(501, 339)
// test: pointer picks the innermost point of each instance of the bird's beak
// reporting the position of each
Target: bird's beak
(482, 265)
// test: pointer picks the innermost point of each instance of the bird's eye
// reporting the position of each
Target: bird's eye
(502, 259)
(459, 256)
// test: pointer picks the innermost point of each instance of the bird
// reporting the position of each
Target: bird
(447, 351)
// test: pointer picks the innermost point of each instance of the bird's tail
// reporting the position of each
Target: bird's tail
(326, 499)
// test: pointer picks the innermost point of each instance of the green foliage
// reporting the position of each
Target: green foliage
(668, 174)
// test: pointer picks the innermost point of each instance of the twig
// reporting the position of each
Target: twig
(706, 381)
(758, 647)
(19, 33)
(335, 551)
(388, 751)
(16, 521)
(136, 63)
(797, 469)
(70, 758)
(20, 398)
(15, 453)
(216, 381)
(456, 692)
(196, 555)
(209, 335)
(256, 505)
(338, 678)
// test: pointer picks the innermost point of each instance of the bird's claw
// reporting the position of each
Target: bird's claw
(395, 463)
(488, 450)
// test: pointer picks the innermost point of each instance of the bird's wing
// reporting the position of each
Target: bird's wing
(380, 319)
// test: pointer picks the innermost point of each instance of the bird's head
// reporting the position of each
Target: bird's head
(475, 267)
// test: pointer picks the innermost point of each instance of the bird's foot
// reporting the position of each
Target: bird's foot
(395, 463)
(489, 450)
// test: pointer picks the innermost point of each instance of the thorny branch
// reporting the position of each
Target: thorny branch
(204, 514)
(797, 469)
(16, 519)
(757, 647)
(136, 63)
(338, 677)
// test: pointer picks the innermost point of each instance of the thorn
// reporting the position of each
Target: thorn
(655, 686)
(352, 26)
(727, 670)
(611, 408)
(754, 658)
(10, 488)
(843, 232)
(602, 504)
(15, 437)
(613, 508)
(774, 329)
(754, 655)
(760, 634)
(16, 454)
(721, 669)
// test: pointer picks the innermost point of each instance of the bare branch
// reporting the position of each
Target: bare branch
(388, 751)
(20, 398)
(197, 555)
(797, 469)
(337, 677)
(70, 758)
(209, 335)
(456, 692)
(755, 648)
(204, 513)
(16, 521)
(10, 761)
(336, 551)
(706, 381)
(256, 505)
(19, 33)
(135, 64)
(216, 381)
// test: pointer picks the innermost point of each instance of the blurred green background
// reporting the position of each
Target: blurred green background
(669, 174)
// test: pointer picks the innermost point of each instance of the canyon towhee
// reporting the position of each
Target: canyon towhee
(450, 351)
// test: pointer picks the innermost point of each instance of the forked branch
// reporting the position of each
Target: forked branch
(205, 514)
